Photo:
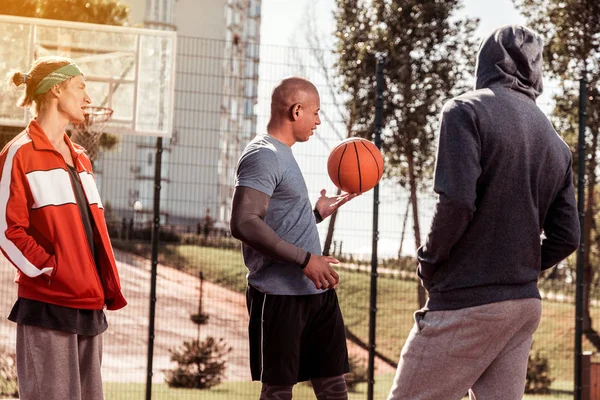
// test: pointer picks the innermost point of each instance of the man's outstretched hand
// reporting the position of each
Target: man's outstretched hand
(328, 205)
(321, 273)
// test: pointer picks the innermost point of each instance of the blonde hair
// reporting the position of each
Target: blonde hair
(39, 70)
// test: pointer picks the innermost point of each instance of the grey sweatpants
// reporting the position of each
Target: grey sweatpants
(55, 365)
(484, 349)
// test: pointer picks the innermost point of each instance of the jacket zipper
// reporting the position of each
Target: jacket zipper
(89, 251)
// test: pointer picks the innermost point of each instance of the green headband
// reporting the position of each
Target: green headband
(56, 77)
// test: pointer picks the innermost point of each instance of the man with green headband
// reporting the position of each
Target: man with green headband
(52, 229)
(56, 77)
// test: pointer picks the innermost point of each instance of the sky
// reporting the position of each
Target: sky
(283, 24)
(281, 20)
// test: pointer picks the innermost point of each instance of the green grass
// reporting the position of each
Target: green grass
(396, 301)
(224, 391)
(251, 390)
(224, 267)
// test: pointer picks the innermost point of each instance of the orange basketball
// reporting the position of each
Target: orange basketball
(355, 165)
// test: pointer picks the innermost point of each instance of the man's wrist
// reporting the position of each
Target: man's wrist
(317, 214)
(306, 261)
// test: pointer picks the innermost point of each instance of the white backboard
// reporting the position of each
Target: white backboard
(130, 70)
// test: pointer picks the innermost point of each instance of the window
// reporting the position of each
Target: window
(249, 108)
(234, 109)
(229, 16)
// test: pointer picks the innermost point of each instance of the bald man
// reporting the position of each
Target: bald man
(296, 329)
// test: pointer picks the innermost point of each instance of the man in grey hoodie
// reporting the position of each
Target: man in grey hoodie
(503, 176)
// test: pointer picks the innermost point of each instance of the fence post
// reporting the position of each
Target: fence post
(581, 251)
(155, 237)
(586, 366)
(373, 299)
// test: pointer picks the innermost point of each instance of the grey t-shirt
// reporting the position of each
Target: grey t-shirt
(269, 166)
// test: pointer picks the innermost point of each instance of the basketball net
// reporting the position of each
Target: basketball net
(87, 134)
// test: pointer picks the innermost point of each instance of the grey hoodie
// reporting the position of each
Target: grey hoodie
(503, 175)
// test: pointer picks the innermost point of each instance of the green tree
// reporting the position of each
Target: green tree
(200, 364)
(107, 12)
(571, 29)
(341, 110)
(429, 54)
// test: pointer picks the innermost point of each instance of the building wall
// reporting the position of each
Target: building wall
(193, 173)
(197, 18)
(214, 119)
(137, 11)
(201, 18)
(238, 120)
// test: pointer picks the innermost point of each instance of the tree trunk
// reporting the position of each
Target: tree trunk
(408, 203)
(588, 273)
(330, 228)
(415, 212)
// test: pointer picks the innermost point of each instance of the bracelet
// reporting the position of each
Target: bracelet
(317, 215)
(306, 260)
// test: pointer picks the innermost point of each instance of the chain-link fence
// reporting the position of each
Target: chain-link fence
(220, 105)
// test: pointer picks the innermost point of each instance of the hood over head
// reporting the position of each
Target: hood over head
(511, 57)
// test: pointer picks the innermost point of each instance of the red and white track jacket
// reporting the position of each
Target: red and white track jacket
(41, 230)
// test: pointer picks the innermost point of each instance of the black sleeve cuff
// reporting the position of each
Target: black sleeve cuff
(306, 260)
(318, 217)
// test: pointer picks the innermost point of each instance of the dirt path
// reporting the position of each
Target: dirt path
(126, 341)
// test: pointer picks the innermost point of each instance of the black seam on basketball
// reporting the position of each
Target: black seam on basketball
(340, 165)
(358, 165)
(374, 159)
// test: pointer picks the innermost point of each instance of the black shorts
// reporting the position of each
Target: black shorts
(295, 338)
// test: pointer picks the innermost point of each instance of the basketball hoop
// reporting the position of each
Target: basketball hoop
(87, 133)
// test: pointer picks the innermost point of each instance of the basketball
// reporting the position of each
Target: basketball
(355, 165)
